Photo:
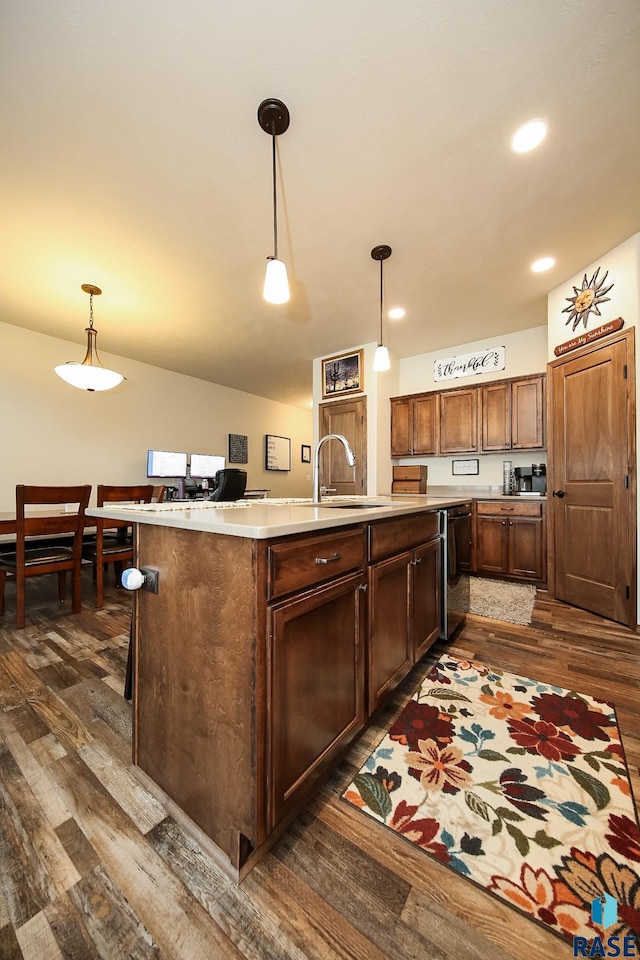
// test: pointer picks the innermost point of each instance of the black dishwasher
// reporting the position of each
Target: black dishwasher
(455, 529)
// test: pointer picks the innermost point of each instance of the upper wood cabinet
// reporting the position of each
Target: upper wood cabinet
(512, 414)
(497, 416)
(459, 421)
(414, 425)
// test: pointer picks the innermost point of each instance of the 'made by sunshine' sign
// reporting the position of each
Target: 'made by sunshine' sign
(467, 364)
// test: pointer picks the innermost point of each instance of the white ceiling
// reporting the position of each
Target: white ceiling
(132, 159)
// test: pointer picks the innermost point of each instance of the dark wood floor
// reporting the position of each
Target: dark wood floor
(91, 866)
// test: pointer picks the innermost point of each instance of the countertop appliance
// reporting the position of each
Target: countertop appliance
(455, 530)
(531, 479)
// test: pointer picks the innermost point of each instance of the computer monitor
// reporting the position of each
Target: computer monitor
(166, 463)
(205, 466)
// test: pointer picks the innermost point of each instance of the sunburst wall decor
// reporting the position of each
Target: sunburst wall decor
(586, 299)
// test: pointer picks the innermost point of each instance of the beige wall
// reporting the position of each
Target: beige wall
(55, 434)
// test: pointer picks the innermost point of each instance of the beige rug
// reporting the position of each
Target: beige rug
(497, 599)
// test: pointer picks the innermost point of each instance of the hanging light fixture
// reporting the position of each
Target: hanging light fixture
(273, 117)
(381, 357)
(90, 374)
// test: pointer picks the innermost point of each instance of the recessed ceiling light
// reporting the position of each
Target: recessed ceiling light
(529, 135)
(396, 313)
(545, 263)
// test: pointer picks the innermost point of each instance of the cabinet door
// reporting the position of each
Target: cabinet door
(526, 557)
(316, 687)
(527, 414)
(426, 612)
(424, 425)
(390, 650)
(401, 427)
(459, 421)
(496, 416)
(492, 545)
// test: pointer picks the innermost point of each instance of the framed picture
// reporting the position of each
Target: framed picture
(465, 468)
(305, 454)
(277, 452)
(238, 448)
(342, 375)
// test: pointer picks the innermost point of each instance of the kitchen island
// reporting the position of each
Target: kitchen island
(277, 630)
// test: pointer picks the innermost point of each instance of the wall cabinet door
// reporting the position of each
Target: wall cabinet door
(459, 421)
(426, 612)
(316, 695)
(425, 439)
(414, 426)
(401, 427)
(389, 649)
(496, 416)
(527, 414)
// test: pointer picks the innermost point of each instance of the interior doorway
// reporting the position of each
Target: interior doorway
(348, 417)
(592, 478)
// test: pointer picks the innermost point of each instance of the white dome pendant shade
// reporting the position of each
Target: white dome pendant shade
(90, 374)
(381, 361)
(273, 117)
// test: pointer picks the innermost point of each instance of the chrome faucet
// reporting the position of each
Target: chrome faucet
(351, 460)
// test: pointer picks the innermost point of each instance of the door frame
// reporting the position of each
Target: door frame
(627, 335)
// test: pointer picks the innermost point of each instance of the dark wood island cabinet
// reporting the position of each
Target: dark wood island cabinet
(260, 659)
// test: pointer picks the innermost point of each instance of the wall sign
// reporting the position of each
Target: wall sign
(585, 338)
(482, 361)
(465, 468)
(277, 452)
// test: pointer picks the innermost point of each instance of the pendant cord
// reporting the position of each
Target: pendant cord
(381, 302)
(275, 198)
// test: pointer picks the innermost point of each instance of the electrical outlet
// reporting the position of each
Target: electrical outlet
(150, 579)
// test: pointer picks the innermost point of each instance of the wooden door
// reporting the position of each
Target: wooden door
(401, 427)
(390, 650)
(496, 416)
(348, 417)
(426, 611)
(525, 548)
(527, 414)
(424, 418)
(316, 677)
(592, 481)
(459, 421)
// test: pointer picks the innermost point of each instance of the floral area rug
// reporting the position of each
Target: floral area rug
(518, 785)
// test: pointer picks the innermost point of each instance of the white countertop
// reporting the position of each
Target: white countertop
(261, 519)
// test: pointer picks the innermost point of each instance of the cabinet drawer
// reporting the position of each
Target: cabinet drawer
(394, 536)
(510, 508)
(409, 486)
(293, 565)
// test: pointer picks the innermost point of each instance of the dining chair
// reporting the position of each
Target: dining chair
(117, 546)
(158, 494)
(53, 554)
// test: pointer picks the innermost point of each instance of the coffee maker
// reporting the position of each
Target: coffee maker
(531, 479)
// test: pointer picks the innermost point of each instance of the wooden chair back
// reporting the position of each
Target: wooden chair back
(51, 555)
(120, 550)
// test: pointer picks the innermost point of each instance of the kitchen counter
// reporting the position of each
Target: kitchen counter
(263, 519)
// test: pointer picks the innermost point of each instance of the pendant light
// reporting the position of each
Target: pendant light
(90, 374)
(381, 357)
(273, 118)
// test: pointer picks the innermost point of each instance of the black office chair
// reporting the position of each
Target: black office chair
(230, 484)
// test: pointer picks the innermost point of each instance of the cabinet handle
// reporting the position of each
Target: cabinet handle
(504, 523)
(510, 523)
(335, 556)
(364, 587)
(414, 563)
